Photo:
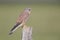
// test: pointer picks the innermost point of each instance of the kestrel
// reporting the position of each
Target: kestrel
(22, 19)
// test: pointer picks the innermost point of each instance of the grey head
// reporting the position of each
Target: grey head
(27, 10)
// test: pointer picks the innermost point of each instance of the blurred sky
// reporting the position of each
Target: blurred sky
(29, 1)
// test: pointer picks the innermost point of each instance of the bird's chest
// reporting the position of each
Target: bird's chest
(25, 16)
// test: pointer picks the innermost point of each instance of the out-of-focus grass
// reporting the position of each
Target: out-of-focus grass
(45, 20)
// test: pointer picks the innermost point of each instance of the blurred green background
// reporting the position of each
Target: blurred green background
(44, 19)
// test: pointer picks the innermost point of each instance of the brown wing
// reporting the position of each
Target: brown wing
(22, 17)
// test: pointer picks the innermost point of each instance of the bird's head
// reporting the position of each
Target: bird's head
(27, 10)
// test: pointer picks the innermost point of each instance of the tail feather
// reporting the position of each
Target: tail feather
(14, 28)
(10, 33)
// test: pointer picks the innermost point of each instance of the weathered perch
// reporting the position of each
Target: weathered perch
(27, 33)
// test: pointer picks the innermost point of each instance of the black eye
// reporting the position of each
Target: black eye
(29, 9)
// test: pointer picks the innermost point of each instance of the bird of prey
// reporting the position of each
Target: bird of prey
(21, 20)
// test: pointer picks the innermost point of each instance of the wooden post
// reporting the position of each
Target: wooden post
(27, 33)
